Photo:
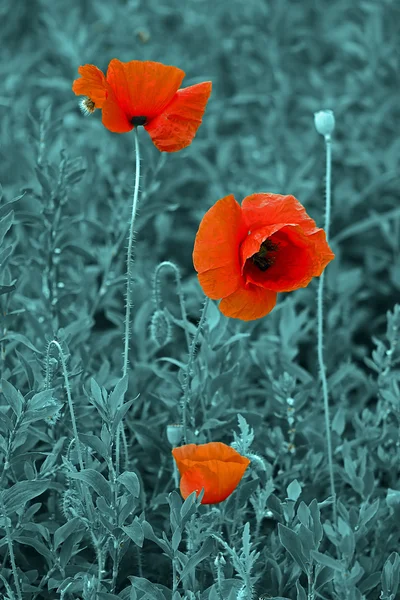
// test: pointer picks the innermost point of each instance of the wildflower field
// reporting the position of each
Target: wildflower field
(200, 300)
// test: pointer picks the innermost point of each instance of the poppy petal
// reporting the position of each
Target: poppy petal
(191, 453)
(298, 259)
(260, 210)
(92, 84)
(177, 125)
(248, 303)
(216, 467)
(252, 243)
(114, 118)
(218, 482)
(216, 248)
(143, 88)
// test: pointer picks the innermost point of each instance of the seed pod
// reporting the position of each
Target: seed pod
(324, 122)
(174, 434)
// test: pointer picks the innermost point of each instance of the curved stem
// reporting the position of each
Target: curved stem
(129, 260)
(157, 293)
(321, 331)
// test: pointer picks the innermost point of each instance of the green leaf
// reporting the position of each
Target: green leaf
(150, 589)
(390, 577)
(150, 535)
(176, 539)
(188, 508)
(9, 206)
(291, 542)
(13, 397)
(327, 561)
(131, 482)
(44, 182)
(135, 532)
(293, 490)
(20, 493)
(96, 480)
(301, 593)
(325, 575)
(316, 519)
(95, 443)
(116, 398)
(120, 414)
(63, 532)
(19, 337)
(198, 557)
(5, 224)
(41, 400)
(39, 547)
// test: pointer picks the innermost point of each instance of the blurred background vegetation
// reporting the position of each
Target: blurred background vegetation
(273, 63)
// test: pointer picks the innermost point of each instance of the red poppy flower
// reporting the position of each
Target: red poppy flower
(216, 467)
(246, 254)
(145, 93)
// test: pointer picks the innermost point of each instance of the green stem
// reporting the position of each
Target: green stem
(157, 293)
(186, 384)
(68, 389)
(11, 551)
(129, 260)
(321, 331)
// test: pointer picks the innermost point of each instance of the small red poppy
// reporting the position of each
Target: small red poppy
(216, 467)
(246, 254)
(145, 93)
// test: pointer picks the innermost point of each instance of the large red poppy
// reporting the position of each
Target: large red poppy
(145, 93)
(246, 254)
(216, 467)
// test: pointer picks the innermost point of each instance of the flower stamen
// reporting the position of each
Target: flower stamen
(262, 259)
(139, 121)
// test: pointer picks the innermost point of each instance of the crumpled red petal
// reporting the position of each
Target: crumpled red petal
(264, 209)
(177, 125)
(216, 248)
(92, 83)
(248, 303)
(214, 467)
(143, 88)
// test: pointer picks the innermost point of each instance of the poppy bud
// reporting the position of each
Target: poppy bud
(160, 328)
(219, 560)
(174, 434)
(324, 122)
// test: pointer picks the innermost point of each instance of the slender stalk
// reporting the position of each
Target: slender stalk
(68, 389)
(11, 551)
(186, 385)
(320, 328)
(129, 259)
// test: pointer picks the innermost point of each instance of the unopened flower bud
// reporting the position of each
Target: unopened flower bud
(324, 122)
(160, 328)
(219, 560)
(174, 434)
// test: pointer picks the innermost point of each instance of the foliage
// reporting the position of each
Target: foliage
(88, 513)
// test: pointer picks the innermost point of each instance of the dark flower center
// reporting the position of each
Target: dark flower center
(264, 258)
(139, 121)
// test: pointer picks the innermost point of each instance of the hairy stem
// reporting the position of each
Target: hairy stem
(129, 259)
(321, 329)
(186, 385)
(68, 389)
(11, 551)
